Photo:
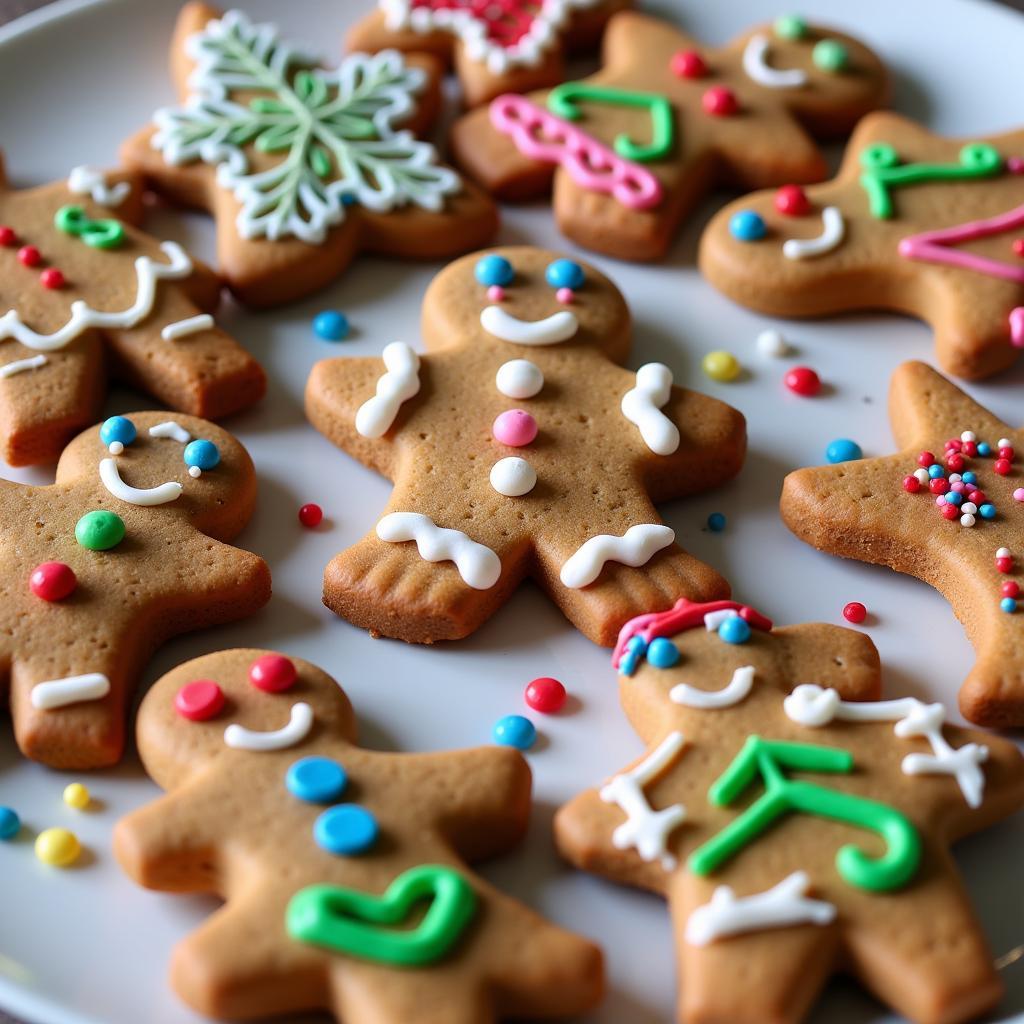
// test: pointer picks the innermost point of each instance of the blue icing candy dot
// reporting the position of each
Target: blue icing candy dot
(716, 522)
(317, 780)
(747, 226)
(734, 630)
(201, 454)
(969, 478)
(345, 830)
(514, 731)
(1008, 604)
(331, 325)
(10, 823)
(635, 648)
(984, 448)
(935, 471)
(987, 511)
(494, 270)
(953, 498)
(118, 428)
(565, 274)
(662, 653)
(842, 449)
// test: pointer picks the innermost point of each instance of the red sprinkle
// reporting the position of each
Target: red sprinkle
(802, 380)
(52, 581)
(1018, 247)
(970, 448)
(7, 236)
(272, 673)
(51, 278)
(1010, 589)
(955, 462)
(29, 256)
(911, 484)
(720, 101)
(199, 700)
(938, 485)
(688, 64)
(1004, 564)
(1006, 452)
(1002, 466)
(978, 497)
(925, 459)
(854, 612)
(546, 695)
(311, 515)
(954, 445)
(792, 200)
(950, 512)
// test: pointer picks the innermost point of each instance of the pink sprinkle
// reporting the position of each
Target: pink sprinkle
(959, 487)
(1015, 165)
(941, 499)
(515, 428)
(565, 295)
(496, 293)
(1018, 495)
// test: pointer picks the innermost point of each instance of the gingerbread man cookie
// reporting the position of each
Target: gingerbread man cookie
(343, 870)
(88, 296)
(302, 167)
(127, 549)
(796, 824)
(948, 508)
(630, 150)
(913, 222)
(519, 448)
(511, 46)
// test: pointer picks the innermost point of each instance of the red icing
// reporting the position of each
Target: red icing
(199, 700)
(272, 673)
(52, 581)
(505, 21)
(681, 616)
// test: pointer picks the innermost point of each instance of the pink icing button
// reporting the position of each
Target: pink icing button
(515, 428)
(565, 295)
(1018, 495)
(495, 293)
(272, 673)
(199, 701)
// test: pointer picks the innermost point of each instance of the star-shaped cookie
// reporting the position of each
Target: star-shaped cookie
(913, 222)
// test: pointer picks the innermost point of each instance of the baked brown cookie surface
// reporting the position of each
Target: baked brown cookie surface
(913, 222)
(88, 296)
(796, 824)
(343, 870)
(519, 448)
(302, 167)
(125, 550)
(629, 151)
(970, 548)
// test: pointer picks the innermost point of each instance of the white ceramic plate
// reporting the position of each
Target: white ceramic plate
(85, 945)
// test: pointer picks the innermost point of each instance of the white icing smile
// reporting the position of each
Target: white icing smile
(297, 729)
(833, 227)
(159, 495)
(560, 326)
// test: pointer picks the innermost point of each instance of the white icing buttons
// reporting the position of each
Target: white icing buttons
(519, 378)
(513, 477)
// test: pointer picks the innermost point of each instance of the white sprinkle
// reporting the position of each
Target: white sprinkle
(21, 365)
(183, 328)
(771, 343)
(967, 519)
(1003, 553)
(968, 435)
(171, 429)
(1004, 442)
(115, 447)
(969, 507)
(195, 472)
(922, 475)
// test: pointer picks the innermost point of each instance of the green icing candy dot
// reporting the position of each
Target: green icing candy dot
(790, 26)
(831, 55)
(99, 530)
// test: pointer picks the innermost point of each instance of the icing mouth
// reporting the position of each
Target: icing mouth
(300, 722)
(560, 326)
(159, 495)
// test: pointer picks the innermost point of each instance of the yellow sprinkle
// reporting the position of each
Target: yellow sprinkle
(58, 847)
(76, 795)
(721, 365)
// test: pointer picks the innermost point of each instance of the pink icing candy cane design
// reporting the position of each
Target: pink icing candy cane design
(540, 135)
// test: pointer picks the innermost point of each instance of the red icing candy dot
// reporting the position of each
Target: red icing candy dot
(199, 701)
(272, 673)
(925, 459)
(938, 485)
(1004, 564)
(720, 101)
(955, 462)
(802, 380)
(792, 200)
(1010, 589)
(950, 512)
(855, 612)
(52, 581)
(688, 64)
(51, 278)
(1002, 466)
(311, 515)
(546, 695)
(911, 484)
(1018, 247)
(29, 256)
(1006, 452)
(7, 235)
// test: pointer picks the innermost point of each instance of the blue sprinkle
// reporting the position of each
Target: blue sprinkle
(331, 325)
(565, 274)
(747, 226)
(662, 653)
(716, 522)
(202, 454)
(935, 471)
(348, 199)
(987, 511)
(494, 270)
(118, 428)
(317, 780)
(969, 478)
(10, 823)
(952, 498)
(734, 630)
(514, 731)
(345, 830)
(631, 656)
(1008, 604)
(843, 450)
(984, 448)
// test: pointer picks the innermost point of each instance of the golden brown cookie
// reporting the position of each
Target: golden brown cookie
(302, 167)
(970, 548)
(519, 448)
(508, 46)
(88, 296)
(913, 222)
(796, 824)
(630, 150)
(343, 870)
(127, 549)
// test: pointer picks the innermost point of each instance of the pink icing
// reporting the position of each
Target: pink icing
(539, 135)
(1017, 327)
(515, 428)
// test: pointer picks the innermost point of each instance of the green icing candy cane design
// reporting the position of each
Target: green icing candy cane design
(100, 234)
(882, 172)
(363, 925)
(562, 101)
(782, 796)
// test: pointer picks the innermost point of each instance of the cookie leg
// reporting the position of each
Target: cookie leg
(436, 998)
(993, 693)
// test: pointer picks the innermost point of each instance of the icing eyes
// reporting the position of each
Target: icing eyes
(747, 226)
(117, 432)
(565, 274)
(199, 456)
(830, 55)
(494, 271)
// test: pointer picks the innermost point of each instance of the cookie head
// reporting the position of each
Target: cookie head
(521, 298)
(251, 703)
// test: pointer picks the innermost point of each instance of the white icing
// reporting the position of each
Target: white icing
(56, 693)
(297, 729)
(642, 406)
(560, 326)
(398, 385)
(634, 548)
(190, 325)
(772, 343)
(478, 565)
(833, 228)
(83, 316)
(159, 495)
(814, 706)
(519, 378)
(513, 477)
(645, 829)
(732, 693)
(84, 180)
(783, 905)
(21, 365)
(175, 431)
(755, 64)
(712, 620)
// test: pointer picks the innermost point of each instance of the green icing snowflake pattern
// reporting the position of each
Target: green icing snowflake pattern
(334, 131)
